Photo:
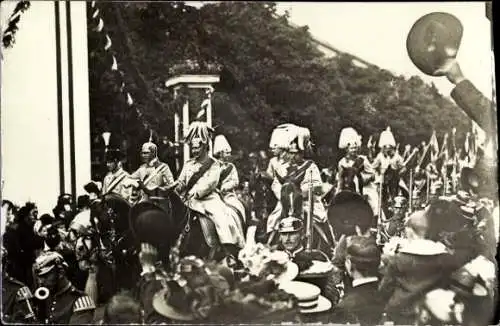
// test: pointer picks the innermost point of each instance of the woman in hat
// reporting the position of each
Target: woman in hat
(229, 180)
(197, 186)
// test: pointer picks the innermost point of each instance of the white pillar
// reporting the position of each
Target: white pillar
(185, 128)
(45, 105)
(177, 125)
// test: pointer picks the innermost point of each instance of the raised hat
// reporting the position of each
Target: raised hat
(433, 40)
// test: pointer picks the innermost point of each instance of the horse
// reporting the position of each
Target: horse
(167, 223)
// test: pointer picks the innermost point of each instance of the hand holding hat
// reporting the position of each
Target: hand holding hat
(433, 43)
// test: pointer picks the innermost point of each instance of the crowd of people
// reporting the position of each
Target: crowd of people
(376, 260)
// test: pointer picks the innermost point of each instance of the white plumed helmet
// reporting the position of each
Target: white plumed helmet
(349, 136)
(283, 135)
(386, 138)
(221, 145)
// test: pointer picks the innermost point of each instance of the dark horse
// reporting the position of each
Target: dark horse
(166, 222)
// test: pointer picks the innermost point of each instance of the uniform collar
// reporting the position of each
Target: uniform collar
(118, 172)
(65, 289)
(153, 162)
(296, 251)
(364, 280)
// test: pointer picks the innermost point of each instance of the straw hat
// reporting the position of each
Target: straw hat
(308, 295)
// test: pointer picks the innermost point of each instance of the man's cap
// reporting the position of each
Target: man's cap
(290, 224)
(47, 261)
(400, 201)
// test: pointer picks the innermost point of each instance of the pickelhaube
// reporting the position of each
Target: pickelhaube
(47, 261)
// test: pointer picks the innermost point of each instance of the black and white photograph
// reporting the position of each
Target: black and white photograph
(248, 163)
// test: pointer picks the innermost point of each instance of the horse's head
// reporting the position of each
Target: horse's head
(291, 200)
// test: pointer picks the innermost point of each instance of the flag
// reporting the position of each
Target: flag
(444, 148)
(434, 145)
(114, 66)
(108, 43)
(406, 153)
(369, 144)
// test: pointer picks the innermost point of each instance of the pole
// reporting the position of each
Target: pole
(410, 200)
(309, 222)
(177, 125)
(185, 127)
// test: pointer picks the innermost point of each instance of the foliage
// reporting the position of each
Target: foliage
(272, 74)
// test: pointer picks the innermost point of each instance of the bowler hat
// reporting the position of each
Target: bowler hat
(433, 40)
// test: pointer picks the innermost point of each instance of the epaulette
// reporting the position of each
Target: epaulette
(84, 303)
(23, 294)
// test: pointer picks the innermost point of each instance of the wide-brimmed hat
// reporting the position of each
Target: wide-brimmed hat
(162, 304)
(433, 40)
(309, 298)
(348, 210)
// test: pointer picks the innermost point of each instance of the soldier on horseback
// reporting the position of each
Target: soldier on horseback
(197, 186)
(155, 177)
(113, 181)
(292, 182)
(354, 170)
(229, 180)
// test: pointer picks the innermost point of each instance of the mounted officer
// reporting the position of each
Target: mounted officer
(229, 179)
(197, 186)
(354, 170)
(294, 180)
(114, 179)
(155, 177)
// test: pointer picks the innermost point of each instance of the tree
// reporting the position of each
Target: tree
(273, 74)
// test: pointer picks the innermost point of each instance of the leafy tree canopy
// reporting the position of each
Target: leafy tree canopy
(273, 73)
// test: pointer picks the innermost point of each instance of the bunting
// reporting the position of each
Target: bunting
(100, 28)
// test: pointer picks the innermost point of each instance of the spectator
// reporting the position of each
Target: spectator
(122, 308)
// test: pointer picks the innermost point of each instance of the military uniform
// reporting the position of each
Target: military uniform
(113, 182)
(69, 306)
(17, 306)
(154, 174)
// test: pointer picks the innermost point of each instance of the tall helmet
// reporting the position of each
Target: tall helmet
(149, 146)
(283, 135)
(221, 145)
(386, 138)
(199, 131)
(349, 137)
(301, 140)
